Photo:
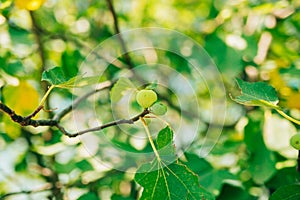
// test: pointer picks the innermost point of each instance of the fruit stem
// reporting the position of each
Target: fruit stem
(46, 95)
(288, 117)
(161, 119)
(150, 139)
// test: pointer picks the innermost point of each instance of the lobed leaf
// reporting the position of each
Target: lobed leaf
(119, 89)
(23, 98)
(165, 177)
(165, 146)
(171, 182)
(256, 94)
(57, 78)
(54, 76)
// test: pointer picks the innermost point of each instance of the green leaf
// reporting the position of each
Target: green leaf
(57, 77)
(88, 196)
(65, 168)
(80, 81)
(165, 179)
(287, 192)
(211, 179)
(174, 181)
(285, 176)
(119, 197)
(227, 59)
(214, 179)
(230, 192)
(196, 164)
(84, 165)
(119, 89)
(165, 146)
(256, 94)
(19, 36)
(151, 86)
(261, 161)
(70, 60)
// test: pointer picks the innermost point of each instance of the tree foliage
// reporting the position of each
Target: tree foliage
(71, 127)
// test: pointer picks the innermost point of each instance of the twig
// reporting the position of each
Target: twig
(98, 128)
(117, 31)
(25, 121)
(28, 121)
(34, 112)
(36, 31)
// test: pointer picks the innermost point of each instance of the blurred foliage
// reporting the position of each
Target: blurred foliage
(255, 40)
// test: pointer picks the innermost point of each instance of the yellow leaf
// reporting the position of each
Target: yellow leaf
(29, 4)
(276, 80)
(12, 129)
(294, 101)
(23, 99)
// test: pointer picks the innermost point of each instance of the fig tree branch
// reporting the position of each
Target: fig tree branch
(98, 128)
(25, 121)
(36, 32)
(28, 121)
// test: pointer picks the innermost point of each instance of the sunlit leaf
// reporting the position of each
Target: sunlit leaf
(23, 99)
(119, 89)
(163, 179)
(165, 144)
(29, 4)
(294, 101)
(256, 94)
(57, 77)
(79, 81)
(12, 129)
(174, 181)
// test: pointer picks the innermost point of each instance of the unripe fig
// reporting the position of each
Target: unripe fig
(146, 98)
(159, 108)
(295, 141)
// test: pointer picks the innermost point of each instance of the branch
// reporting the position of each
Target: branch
(117, 31)
(98, 128)
(36, 31)
(25, 121)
